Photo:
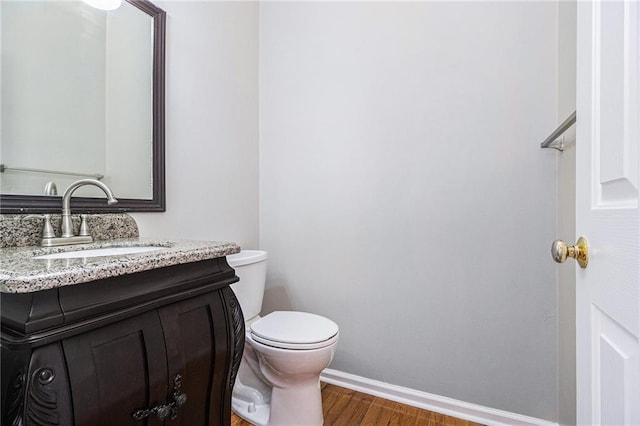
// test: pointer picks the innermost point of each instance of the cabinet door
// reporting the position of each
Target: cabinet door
(197, 342)
(116, 369)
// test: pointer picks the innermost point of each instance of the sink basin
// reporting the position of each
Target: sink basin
(106, 251)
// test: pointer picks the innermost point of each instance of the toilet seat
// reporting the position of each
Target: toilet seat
(294, 330)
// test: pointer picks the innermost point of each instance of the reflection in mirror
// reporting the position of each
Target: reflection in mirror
(82, 97)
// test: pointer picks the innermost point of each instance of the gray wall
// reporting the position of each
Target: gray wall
(212, 124)
(566, 215)
(403, 192)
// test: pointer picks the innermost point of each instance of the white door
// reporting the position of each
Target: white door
(607, 173)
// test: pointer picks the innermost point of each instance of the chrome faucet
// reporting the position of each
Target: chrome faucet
(67, 226)
(49, 238)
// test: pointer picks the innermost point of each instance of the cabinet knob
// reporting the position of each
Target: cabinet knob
(181, 399)
(163, 412)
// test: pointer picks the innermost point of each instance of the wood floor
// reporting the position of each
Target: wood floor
(345, 407)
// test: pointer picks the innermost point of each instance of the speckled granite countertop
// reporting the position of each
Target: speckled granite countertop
(21, 273)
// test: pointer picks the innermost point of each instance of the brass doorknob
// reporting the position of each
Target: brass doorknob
(580, 252)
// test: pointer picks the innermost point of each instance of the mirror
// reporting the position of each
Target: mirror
(82, 97)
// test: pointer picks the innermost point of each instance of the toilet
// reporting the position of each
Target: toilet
(278, 382)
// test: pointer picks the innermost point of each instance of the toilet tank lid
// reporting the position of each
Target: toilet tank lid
(294, 327)
(246, 257)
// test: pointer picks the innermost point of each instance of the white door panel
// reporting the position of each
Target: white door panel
(607, 214)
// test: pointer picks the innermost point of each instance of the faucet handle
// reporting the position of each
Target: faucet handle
(84, 228)
(47, 230)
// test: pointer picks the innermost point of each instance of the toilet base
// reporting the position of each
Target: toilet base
(300, 405)
(257, 414)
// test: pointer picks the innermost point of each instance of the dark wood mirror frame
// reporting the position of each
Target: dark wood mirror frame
(52, 204)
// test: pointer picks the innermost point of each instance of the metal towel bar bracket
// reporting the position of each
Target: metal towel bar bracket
(555, 135)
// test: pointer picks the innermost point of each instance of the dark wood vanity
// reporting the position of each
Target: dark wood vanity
(156, 347)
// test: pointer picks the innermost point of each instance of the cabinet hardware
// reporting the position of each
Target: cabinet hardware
(165, 410)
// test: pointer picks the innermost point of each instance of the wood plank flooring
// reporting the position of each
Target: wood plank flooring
(345, 407)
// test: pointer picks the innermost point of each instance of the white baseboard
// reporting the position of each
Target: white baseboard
(428, 401)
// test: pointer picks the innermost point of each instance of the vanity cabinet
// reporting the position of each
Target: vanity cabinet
(150, 348)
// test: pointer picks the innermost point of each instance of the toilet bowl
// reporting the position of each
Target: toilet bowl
(278, 382)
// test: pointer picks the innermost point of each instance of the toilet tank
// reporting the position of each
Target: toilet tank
(251, 268)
